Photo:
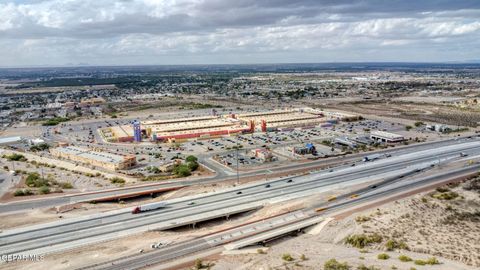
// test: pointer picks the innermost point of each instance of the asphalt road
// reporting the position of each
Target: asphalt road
(202, 244)
(220, 176)
(188, 210)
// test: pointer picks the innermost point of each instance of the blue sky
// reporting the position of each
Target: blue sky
(130, 32)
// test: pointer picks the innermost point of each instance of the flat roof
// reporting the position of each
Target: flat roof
(4, 140)
(176, 120)
(90, 154)
(385, 134)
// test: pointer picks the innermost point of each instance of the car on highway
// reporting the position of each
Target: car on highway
(267, 186)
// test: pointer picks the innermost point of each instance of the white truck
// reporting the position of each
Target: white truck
(149, 207)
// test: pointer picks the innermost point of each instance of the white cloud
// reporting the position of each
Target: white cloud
(168, 31)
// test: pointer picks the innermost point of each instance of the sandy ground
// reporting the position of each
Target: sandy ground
(420, 224)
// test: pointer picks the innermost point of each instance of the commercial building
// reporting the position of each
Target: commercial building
(123, 133)
(211, 126)
(10, 140)
(309, 148)
(284, 119)
(189, 128)
(263, 154)
(387, 137)
(105, 160)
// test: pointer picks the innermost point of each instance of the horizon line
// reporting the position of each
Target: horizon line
(244, 64)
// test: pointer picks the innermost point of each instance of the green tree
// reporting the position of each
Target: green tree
(192, 166)
(191, 158)
(182, 170)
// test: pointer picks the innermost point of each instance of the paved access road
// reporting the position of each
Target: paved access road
(71, 233)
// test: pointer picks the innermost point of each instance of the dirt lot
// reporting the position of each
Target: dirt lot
(427, 225)
(413, 111)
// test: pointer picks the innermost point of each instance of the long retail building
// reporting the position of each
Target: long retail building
(202, 127)
(104, 160)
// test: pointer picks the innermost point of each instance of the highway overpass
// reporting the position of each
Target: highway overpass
(70, 233)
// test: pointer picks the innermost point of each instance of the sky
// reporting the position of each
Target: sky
(156, 32)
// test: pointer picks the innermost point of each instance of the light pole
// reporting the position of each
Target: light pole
(238, 177)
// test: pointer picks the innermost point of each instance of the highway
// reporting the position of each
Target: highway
(264, 230)
(83, 197)
(65, 234)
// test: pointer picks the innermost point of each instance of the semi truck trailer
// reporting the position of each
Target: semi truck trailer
(148, 207)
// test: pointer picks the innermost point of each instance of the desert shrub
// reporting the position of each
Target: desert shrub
(432, 261)
(40, 147)
(15, 157)
(392, 244)
(287, 257)
(19, 192)
(442, 189)
(448, 195)
(383, 256)
(44, 190)
(404, 258)
(363, 267)
(361, 219)
(153, 169)
(65, 185)
(198, 264)
(117, 180)
(333, 264)
(362, 240)
(34, 180)
(420, 262)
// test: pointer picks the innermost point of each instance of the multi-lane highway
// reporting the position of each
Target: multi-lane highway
(62, 200)
(71, 233)
(266, 229)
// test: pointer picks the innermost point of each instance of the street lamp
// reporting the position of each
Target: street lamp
(238, 177)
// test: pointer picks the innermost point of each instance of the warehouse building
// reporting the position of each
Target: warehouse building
(387, 137)
(104, 160)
